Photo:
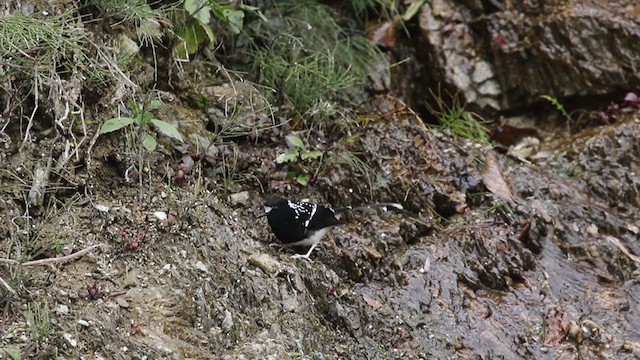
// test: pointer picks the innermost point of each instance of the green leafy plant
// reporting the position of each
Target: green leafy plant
(194, 27)
(203, 102)
(141, 139)
(573, 118)
(361, 7)
(143, 118)
(558, 105)
(300, 160)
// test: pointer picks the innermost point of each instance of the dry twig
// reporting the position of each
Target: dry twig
(618, 244)
(4, 283)
(62, 259)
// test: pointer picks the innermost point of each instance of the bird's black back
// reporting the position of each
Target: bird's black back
(293, 221)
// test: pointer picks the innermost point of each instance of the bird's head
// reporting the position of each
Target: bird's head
(272, 204)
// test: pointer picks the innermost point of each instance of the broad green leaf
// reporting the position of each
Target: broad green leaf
(311, 155)
(295, 141)
(145, 118)
(199, 9)
(149, 142)
(189, 39)
(210, 34)
(167, 129)
(282, 158)
(115, 124)
(303, 179)
(154, 105)
(14, 353)
(235, 19)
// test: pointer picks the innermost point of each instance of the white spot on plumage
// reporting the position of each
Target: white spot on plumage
(313, 212)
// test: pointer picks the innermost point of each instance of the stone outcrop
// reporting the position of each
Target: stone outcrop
(505, 55)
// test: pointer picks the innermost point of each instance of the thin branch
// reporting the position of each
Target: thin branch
(27, 134)
(62, 259)
(4, 283)
(618, 244)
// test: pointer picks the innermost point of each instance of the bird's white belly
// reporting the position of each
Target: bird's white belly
(313, 239)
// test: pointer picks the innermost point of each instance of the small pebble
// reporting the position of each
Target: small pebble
(83, 323)
(62, 310)
(240, 198)
(160, 215)
(202, 267)
(266, 263)
(227, 322)
(122, 302)
(101, 208)
(69, 338)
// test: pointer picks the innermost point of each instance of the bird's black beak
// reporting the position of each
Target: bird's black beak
(262, 215)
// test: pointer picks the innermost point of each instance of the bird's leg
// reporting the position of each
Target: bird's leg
(306, 256)
(277, 245)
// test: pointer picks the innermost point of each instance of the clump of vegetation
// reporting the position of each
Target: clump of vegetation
(360, 7)
(38, 319)
(459, 121)
(39, 55)
(305, 56)
(372, 178)
(302, 162)
(193, 24)
(35, 47)
(145, 19)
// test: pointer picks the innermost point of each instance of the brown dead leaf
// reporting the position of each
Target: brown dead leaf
(384, 34)
(494, 181)
(373, 253)
(557, 327)
(375, 304)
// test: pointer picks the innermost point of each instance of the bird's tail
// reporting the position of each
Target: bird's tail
(367, 207)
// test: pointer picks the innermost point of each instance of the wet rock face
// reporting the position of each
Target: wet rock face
(576, 50)
(548, 274)
(505, 56)
(449, 49)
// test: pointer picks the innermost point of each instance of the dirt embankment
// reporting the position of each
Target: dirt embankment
(461, 272)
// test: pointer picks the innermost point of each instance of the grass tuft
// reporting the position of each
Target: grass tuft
(308, 59)
(459, 121)
(29, 44)
(38, 319)
(147, 20)
(362, 7)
